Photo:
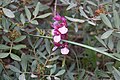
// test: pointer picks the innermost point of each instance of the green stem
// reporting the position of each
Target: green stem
(11, 47)
(81, 45)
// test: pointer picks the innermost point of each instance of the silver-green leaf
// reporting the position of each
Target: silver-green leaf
(6, 39)
(35, 13)
(2, 46)
(34, 22)
(44, 15)
(61, 72)
(18, 47)
(116, 19)
(15, 57)
(22, 18)
(8, 13)
(106, 34)
(28, 13)
(75, 20)
(19, 38)
(106, 20)
(13, 68)
(3, 55)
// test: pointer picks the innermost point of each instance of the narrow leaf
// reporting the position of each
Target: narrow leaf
(35, 13)
(106, 20)
(3, 55)
(4, 46)
(75, 20)
(28, 14)
(15, 57)
(82, 13)
(8, 13)
(91, 2)
(47, 45)
(54, 58)
(24, 59)
(110, 44)
(43, 7)
(19, 38)
(13, 68)
(34, 65)
(42, 55)
(18, 47)
(106, 34)
(116, 19)
(61, 72)
(34, 22)
(22, 18)
(6, 39)
(72, 5)
(53, 69)
(118, 46)
(116, 74)
(101, 41)
(44, 15)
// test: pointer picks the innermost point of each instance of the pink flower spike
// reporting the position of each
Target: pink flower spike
(63, 30)
(57, 38)
(65, 50)
(54, 48)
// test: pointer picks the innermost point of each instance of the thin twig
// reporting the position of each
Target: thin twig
(55, 7)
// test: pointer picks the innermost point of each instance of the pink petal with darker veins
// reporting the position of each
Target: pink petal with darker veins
(65, 50)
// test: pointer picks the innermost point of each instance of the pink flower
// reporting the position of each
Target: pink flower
(60, 32)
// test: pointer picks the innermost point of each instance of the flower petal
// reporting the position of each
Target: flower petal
(57, 17)
(52, 32)
(65, 50)
(54, 48)
(33, 76)
(63, 30)
(63, 19)
(57, 38)
(55, 23)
